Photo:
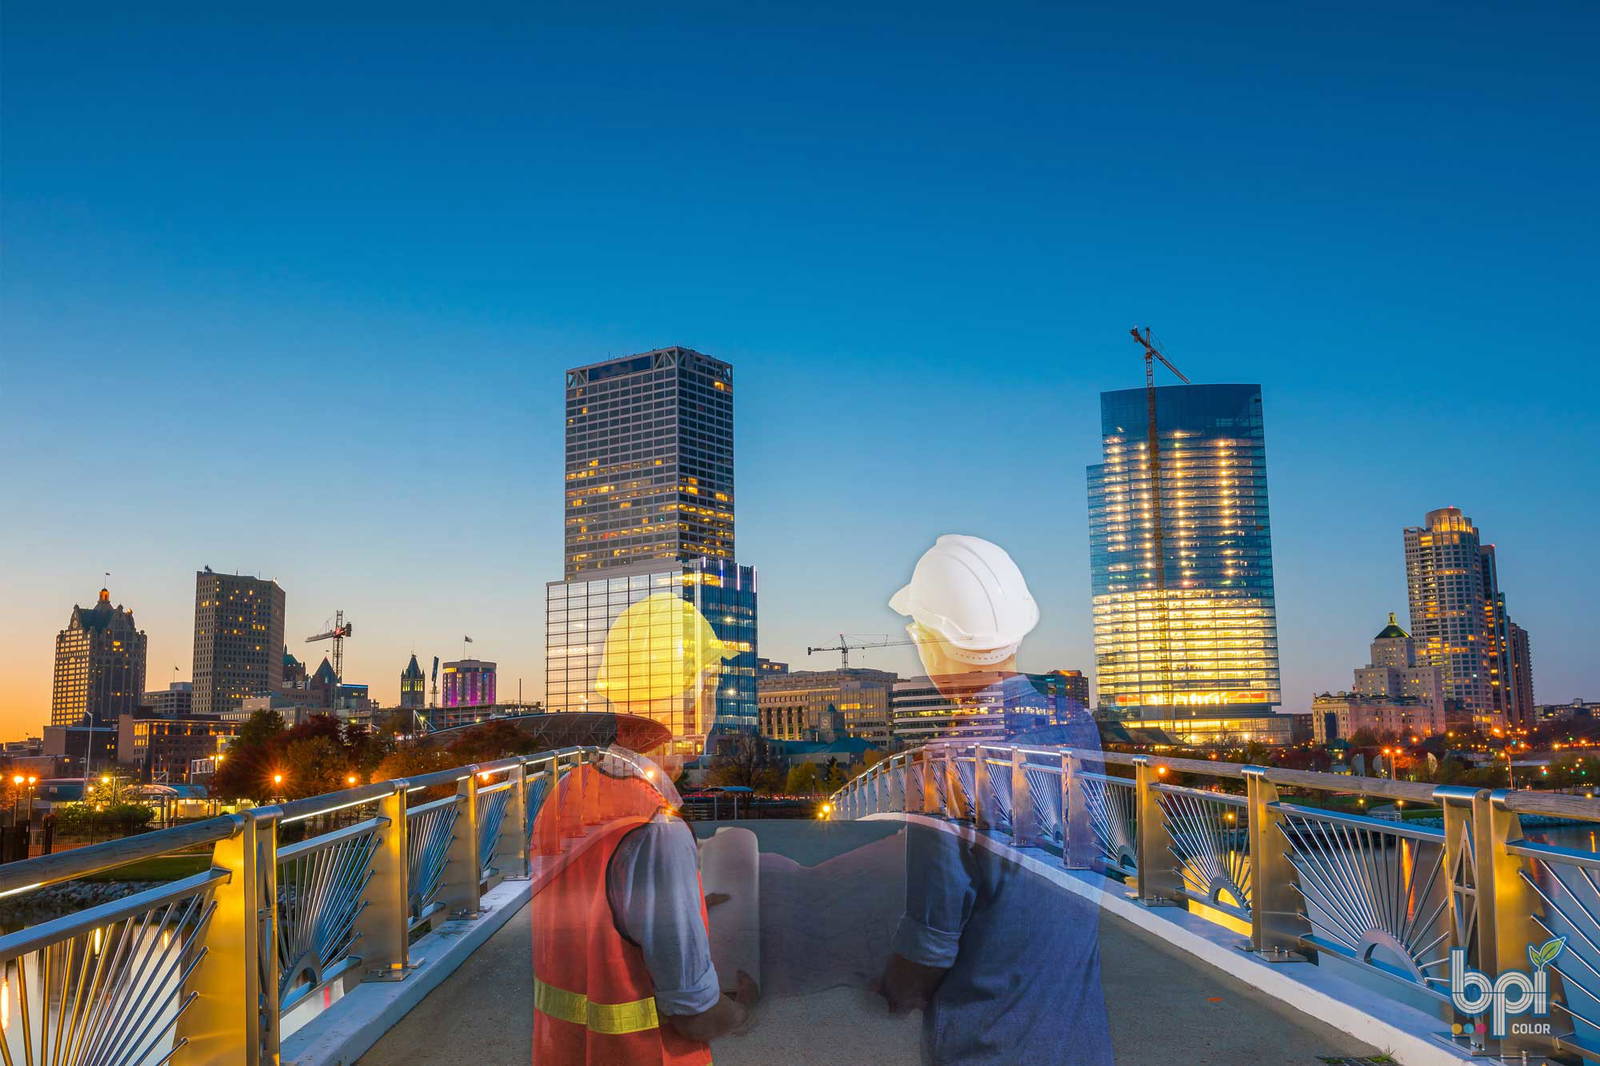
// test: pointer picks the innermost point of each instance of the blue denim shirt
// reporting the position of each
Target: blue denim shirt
(1017, 989)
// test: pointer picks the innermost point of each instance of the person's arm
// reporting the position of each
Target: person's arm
(654, 888)
(939, 898)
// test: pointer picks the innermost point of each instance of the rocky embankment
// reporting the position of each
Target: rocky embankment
(69, 897)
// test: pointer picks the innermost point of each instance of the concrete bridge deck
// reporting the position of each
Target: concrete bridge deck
(1165, 1007)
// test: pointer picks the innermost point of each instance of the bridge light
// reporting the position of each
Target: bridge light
(1161, 771)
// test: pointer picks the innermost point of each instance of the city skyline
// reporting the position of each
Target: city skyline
(922, 250)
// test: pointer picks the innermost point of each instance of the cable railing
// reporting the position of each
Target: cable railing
(209, 969)
(1250, 848)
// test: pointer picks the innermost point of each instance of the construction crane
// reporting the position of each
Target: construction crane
(1153, 473)
(337, 634)
(845, 647)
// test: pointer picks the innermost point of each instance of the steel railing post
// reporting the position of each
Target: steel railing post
(463, 871)
(1024, 819)
(980, 799)
(1077, 828)
(383, 927)
(510, 850)
(233, 1017)
(1159, 883)
(1275, 922)
(1506, 903)
(931, 767)
(956, 805)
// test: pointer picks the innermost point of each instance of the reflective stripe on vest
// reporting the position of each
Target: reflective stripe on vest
(612, 1019)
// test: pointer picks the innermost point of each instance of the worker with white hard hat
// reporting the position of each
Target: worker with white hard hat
(996, 986)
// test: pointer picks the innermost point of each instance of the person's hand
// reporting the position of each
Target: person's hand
(907, 985)
(747, 994)
(715, 898)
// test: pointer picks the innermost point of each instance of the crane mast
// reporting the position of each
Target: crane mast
(1153, 476)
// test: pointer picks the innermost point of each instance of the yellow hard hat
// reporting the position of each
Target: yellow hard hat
(657, 649)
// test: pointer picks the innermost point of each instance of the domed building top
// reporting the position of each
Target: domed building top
(1392, 631)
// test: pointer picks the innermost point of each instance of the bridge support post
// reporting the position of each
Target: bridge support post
(510, 850)
(1024, 819)
(956, 802)
(1077, 829)
(1158, 882)
(234, 1015)
(983, 792)
(384, 923)
(1275, 922)
(1506, 905)
(931, 766)
(463, 870)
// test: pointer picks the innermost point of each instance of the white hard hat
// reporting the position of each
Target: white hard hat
(969, 592)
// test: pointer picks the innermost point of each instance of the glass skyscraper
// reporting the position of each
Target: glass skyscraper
(649, 468)
(1181, 565)
(581, 614)
(649, 509)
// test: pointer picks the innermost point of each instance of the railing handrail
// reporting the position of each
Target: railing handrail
(59, 866)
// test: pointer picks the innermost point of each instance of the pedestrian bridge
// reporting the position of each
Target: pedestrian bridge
(1246, 914)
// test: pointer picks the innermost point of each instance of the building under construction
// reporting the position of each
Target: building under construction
(1181, 553)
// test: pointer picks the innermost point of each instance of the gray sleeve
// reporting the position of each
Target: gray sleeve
(653, 885)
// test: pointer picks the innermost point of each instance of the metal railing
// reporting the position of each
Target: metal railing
(1299, 881)
(203, 970)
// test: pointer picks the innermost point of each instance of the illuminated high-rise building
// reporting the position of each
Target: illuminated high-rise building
(649, 471)
(1459, 621)
(238, 640)
(100, 661)
(649, 508)
(1181, 568)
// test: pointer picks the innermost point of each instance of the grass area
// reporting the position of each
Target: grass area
(160, 868)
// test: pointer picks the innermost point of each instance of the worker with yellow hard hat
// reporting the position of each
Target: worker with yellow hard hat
(622, 953)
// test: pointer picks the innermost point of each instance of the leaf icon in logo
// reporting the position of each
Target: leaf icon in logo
(1545, 953)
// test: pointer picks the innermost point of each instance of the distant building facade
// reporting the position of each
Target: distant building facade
(824, 705)
(1394, 695)
(413, 685)
(99, 666)
(469, 683)
(174, 701)
(769, 667)
(649, 470)
(973, 709)
(1185, 617)
(163, 747)
(238, 640)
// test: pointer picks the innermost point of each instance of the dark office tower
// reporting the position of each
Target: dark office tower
(99, 666)
(413, 685)
(1199, 636)
(238, 640)
(1523, 715)
(1458, 617)
(649, 474)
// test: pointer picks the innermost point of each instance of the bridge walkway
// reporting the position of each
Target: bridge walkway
(1165, 1008)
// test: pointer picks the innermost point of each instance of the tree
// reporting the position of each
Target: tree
(742, 761)
(491, 740)
(246, 768)
(803, 780)
(313, 765)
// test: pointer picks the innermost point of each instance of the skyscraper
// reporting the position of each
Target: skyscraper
(413, 685)
(649, 508)
(649, 472)
(100, 661)
(1458, 615)
(1522, 714)
(238, 640)
(1195, 631)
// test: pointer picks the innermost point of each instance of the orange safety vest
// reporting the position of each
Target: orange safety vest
(593, 999)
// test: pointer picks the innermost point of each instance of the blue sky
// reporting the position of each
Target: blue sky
(289, 291)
